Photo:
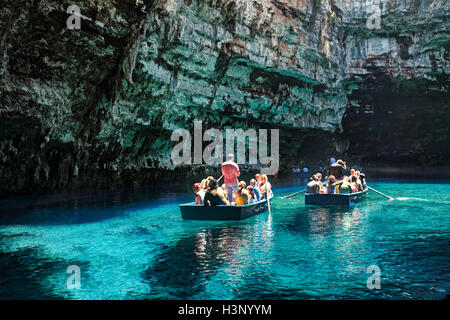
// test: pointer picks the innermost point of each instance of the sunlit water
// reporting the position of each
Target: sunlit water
(130, 246)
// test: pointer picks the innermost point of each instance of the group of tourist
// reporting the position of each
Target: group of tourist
(338, 182)
(233, 191)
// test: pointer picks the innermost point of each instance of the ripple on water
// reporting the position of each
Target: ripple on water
(131, 248)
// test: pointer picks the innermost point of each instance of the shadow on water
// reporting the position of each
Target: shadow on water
(79, 208)
(182, 271)
(25, 275)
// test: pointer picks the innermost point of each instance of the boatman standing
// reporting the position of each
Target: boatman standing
(230, 171)
(337, 169)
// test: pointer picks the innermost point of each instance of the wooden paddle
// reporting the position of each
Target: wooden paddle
(293, 194)
(380, 193)
(267, 194)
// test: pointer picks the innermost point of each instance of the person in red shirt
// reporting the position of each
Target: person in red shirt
(230, 171)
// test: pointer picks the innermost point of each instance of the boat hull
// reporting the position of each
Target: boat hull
(192, 211)
(335, 199)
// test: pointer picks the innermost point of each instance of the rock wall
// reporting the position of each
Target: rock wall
(97, 106)
(399, 104)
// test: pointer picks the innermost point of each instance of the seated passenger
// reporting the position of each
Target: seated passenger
(199, 193)
(322, 189)
(313, 186)
(354, 184)
(251, 195)
(242, 197)
(214, 195)
(362, 176)
(344, 186)
(330, 186)
(253, 183)
(358, 181)
(204, 184)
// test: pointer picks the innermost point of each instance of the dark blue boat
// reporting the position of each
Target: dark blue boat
(192, 211)
(341, 199)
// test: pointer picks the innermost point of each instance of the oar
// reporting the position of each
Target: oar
(293, 194)
(380, 193)
(267, 194)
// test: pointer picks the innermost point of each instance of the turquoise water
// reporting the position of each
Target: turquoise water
(129, 245)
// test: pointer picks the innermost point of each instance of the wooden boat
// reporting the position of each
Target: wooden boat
(342, 199)
(192, 211)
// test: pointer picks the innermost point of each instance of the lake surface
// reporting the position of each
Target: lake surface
(134, 245)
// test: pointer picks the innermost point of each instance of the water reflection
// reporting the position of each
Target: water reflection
(309, 220)
(183, 270)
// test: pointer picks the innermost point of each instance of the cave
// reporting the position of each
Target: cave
(95, 107)
(329, 125)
